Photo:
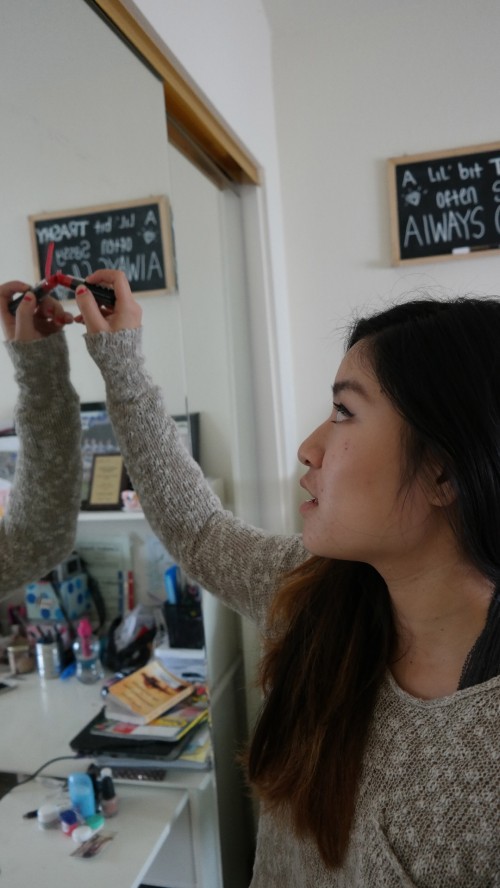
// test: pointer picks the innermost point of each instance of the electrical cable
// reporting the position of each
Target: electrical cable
(59, 758)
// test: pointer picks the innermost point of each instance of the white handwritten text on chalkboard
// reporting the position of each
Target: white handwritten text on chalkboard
(130, 238)
(446, 204)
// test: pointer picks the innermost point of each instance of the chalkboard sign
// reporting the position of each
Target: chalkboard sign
(445, 204)
(135, 237)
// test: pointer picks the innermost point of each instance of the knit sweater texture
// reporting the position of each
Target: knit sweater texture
(39, 527)
(428, 808)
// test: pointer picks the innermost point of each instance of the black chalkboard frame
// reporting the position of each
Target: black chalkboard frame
(161, 205)
(467, 249)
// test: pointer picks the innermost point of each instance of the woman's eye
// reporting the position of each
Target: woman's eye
(340, 413)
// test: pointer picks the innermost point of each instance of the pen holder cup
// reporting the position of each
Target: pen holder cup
(184, 625)
(48, 659)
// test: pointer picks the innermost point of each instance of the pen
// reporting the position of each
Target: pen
(130, 590)
(103, 295)
(46, 637)
(121, 593)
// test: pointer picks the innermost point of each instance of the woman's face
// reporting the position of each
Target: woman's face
(359, 509)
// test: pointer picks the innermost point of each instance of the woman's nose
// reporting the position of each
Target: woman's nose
(312, 450)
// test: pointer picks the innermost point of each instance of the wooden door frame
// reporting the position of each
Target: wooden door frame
(194, 127)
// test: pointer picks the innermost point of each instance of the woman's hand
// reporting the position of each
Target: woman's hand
(126, 313)
(31, 320)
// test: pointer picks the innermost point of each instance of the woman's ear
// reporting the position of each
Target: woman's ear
(442, 492)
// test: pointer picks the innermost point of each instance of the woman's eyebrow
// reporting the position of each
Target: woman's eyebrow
(351, 385)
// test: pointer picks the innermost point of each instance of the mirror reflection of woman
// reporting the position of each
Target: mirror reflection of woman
(38, 529)
(375, 755)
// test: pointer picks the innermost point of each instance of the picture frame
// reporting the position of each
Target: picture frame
(188, 426)
(134, 235)
(443, 204)
(9, 449)
(107, 480)
(97, 437)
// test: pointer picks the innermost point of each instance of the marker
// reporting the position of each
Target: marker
(461, 251)
(121, 593)
(171, 584)
(102, 295)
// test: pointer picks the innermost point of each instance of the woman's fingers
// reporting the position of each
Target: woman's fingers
(51, 315)
(25, 329)
(126, 312)
(32, 319)
(90, 311)
(7, 291)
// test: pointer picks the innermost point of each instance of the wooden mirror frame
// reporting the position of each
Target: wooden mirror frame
(193, 127)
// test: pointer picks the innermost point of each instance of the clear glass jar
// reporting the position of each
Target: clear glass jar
(20, 657)
(87, 651)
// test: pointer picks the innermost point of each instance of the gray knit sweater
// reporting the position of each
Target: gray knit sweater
(428, 812)
(39, 528)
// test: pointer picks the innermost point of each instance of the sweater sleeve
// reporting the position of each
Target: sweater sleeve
(238, 562)
(39, 527)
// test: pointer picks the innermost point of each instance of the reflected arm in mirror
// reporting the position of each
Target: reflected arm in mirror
(125, 314)
(32, 319)
(39, 526)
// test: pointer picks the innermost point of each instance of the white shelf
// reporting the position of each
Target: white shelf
(110, 515)
(216, 484)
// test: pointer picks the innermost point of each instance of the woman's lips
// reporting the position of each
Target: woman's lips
(308, 505)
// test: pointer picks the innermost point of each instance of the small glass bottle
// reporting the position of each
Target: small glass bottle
(109, 801)
(87, 654)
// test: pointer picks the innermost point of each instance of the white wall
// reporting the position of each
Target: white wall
(348, 85)
(356, 83)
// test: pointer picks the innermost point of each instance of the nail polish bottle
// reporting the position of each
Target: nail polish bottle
(109, 801)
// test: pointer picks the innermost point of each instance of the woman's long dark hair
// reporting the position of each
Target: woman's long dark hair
(332, 631)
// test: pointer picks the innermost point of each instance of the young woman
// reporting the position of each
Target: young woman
(376, 752)
(38, 529)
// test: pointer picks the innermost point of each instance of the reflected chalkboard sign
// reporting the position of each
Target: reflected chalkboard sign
(445, 204)
(135, 237)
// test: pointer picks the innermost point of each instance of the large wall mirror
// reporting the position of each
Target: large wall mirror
(84, 124)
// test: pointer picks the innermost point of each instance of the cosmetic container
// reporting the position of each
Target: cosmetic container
(81, 793)
(20, 658)
(48, 816)
(69, 821)
(86, 649)
(109, 801)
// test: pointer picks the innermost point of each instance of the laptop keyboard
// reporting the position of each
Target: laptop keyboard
(134, 775)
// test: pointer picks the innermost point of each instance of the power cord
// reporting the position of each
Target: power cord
(59, 758)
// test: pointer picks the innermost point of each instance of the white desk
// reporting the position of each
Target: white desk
(33, 856)
(38, 719)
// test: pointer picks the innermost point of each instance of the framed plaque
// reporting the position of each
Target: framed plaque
(107, 481)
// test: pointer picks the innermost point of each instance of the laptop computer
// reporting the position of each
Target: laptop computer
(123, 750)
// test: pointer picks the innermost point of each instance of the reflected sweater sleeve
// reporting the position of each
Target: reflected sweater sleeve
(39, 527)
(240, 563)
